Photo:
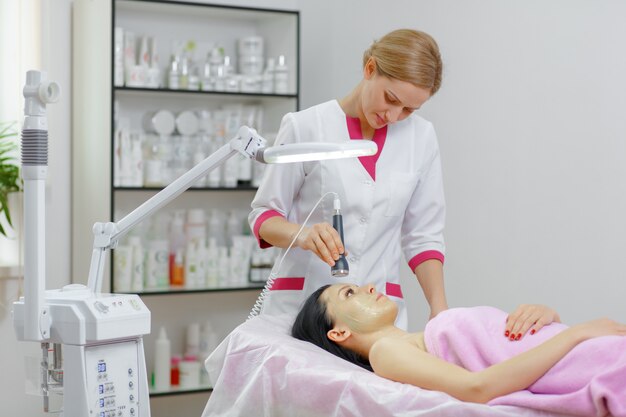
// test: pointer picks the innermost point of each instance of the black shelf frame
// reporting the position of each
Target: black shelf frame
(154, 189)
(201, 92)
(182, 290)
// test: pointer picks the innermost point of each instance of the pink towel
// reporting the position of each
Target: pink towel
(589, 381)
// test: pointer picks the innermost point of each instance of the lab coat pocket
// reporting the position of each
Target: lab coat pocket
(399, 192)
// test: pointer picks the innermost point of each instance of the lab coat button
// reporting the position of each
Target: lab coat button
(363, 220)
(368, 183)
(353, 259)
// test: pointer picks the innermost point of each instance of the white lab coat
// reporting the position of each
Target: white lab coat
(401, 211)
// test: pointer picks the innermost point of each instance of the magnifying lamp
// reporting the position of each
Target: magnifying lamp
(247, 142)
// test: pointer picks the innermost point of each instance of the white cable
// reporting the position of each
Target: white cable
(256, 309)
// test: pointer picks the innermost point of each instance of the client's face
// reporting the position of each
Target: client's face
(362, 309)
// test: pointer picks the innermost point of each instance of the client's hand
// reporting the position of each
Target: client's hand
(528, 317)
(598, 328)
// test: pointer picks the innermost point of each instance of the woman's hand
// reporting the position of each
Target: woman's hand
(529, 317)
(323, 240)
(598, 328)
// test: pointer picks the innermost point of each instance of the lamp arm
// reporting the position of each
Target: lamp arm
(106, 235)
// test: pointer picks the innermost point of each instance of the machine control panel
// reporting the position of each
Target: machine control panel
(112, 375)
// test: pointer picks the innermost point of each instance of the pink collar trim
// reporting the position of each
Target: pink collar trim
(380, 135)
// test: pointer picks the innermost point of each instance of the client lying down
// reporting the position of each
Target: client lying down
(578, 370)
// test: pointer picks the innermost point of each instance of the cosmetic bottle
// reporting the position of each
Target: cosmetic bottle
(153, 80)
(137, 261)
(177, 245)
(183, 82)
(234, 227)
(223, 265)
(157, 266)
(191, 265)
(196, 226)
(200, 247)
(199, 156)
(125, 158)
(189, 373)
(162, 373)
(267, 83)
(192, 344)
(123, 268)
(118, 79)
(174, 73)
(174, 370)
(208, 343)
(206, 80)
(129, 55)
(216, 229)
(211, 271)
(215, 175)
(281, 76)
(136, 160)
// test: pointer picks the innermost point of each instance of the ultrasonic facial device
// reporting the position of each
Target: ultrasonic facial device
(92, 343)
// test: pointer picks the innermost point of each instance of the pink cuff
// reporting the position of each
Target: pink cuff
(424, 256)
(257, 225)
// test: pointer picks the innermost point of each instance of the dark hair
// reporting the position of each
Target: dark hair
(312, 324)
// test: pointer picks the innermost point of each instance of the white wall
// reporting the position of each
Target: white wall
(532, 137)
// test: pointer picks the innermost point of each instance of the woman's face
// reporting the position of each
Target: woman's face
(386, 100)
(362, 309)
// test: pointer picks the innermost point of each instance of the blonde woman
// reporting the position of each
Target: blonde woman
(392, 202)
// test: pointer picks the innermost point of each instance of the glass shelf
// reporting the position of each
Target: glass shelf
(183, 290)
(199, 92)
(179, 391)
(237, 188)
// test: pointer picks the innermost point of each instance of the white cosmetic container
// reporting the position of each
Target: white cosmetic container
(223, 267)
(251, 64)
(161, 122)
(138, 266)
(129, 54)
(187, 123)
(196, 226)
(267, 79)
(173, 75)
(123, 268)
(251, 84)
(211, 270)
(118, 79)
(191, 266)
(136, 160)
(162, 351)
(192, 346)
(216, 227)
(126, 161)
(157, 266)
(189, 374)
(281, 76)
(250, 45)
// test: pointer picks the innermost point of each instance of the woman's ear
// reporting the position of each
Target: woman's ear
(369, 70)
(339, 334)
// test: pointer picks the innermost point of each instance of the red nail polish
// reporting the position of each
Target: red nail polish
(532, 331)
(519, 335)
(506, 334)
(512, 337)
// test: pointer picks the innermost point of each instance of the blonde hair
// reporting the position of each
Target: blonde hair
(408, 55)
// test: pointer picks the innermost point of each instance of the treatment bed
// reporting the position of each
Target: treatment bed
(260, 370)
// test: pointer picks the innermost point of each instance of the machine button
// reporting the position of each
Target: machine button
(131, 397)
(132, 411)
(130, 372)
(101, 307)
(130, 384)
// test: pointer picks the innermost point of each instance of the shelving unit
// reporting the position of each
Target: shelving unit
(166, 21)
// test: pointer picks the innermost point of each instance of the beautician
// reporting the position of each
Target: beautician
(392, 202)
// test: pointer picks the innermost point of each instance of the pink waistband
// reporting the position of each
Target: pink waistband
(288, 283)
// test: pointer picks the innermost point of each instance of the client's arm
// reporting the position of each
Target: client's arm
(404, 362)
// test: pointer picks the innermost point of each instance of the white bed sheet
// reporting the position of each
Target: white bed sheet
(260, 370)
